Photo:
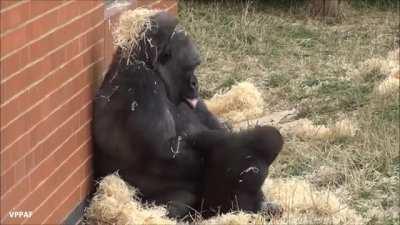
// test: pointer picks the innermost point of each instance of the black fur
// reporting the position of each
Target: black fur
(175, 153)
(236, 165)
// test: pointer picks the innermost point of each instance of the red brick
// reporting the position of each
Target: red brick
(57, 217)
(29, 162)
(57, 179)
(40, 132)
(86, 186)
(147, 3)
(173, 9)
(66, 149)
(38, 7)
(11, 130)
(45, 23)
(41, 192)
(39, 48)
(15, 62)
(8, 179)
(85, 6)
(69, 12)
(14, 153)
(6, 4)
(6, 160)
(17, 83)
(163, 5)
(63, 34)
(12, 198)
(32, 30)
(58, 197)
(20, 169)
(45, 148)
(15, 40)
(97, 3)
(39, 118)
(12, 109)
(85, 116)
(14, 17)
(83, 134)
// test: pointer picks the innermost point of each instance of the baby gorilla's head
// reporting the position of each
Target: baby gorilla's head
(266, 141)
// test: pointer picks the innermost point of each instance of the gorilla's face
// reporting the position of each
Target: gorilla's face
(177, 65)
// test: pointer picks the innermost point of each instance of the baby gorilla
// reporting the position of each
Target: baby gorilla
(236, 167)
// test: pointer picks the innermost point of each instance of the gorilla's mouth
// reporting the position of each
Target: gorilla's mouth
(192, 102)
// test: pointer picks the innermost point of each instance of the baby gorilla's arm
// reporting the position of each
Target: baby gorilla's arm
(206, 117)
(206, 141)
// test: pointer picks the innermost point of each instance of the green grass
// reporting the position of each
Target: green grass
(306, 64)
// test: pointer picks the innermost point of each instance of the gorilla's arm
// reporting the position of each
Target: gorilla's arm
(206, 141)
(206, 117)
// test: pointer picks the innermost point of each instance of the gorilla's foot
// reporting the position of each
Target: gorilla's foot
(271, 209)
(179, 203)
(177, 211)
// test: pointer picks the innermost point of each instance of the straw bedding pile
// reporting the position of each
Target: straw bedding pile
(130, 29)
(304, 204)
(304, 128)
(116, 203)
(391, 84)
(242, 102)
(389, 67)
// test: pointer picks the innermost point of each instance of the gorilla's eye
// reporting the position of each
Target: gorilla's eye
(189, 68)
(164, 57)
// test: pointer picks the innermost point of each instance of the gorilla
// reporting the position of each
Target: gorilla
(151, 126)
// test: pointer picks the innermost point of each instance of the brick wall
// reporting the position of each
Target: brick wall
(51, 54)
(50, 51)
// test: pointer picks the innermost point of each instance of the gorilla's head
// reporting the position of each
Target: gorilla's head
(176, 59)
(177, 67)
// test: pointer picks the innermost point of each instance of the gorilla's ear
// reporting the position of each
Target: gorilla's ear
(164, 25)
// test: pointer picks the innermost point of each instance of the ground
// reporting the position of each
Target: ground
(323, 69)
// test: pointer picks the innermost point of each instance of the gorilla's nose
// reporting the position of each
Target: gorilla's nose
(193, 82)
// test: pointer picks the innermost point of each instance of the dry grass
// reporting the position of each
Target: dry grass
(242, 102)
(328, 72)
(304, 128)
(304, 204)
(116, 203)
